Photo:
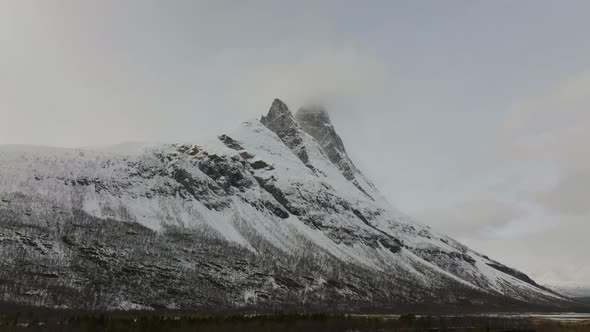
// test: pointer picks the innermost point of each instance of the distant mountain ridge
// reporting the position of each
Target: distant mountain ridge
(274, 215)
(572, 291)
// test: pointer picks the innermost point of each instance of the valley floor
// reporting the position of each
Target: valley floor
(41, 321)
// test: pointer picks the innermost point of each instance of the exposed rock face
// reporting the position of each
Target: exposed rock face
(259, 216)
(315, 121)
(281, 121)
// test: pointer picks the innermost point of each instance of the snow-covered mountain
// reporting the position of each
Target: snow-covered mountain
(570, 282)
(273, 214)
(572, 291)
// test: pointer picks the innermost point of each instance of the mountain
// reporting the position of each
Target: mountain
(573, 291)
(271, 215)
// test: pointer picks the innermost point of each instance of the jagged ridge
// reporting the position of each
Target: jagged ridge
(273, 214)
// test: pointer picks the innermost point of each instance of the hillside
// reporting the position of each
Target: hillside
(274, 214)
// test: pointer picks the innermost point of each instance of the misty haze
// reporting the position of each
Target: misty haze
(294, 166)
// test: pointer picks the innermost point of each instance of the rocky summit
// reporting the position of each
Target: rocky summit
(273, 215)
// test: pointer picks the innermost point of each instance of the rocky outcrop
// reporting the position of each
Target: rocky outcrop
(281, 121)
(315, 121)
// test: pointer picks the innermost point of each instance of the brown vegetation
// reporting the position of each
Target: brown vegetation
(51, 320)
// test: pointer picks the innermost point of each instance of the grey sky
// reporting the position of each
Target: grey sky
(470, 115)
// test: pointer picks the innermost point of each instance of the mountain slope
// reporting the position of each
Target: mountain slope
(572, 291)
(272, 214)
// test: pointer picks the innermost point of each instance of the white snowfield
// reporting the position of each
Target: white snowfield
(294, 206)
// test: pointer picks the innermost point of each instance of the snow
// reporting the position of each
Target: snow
(45, 174)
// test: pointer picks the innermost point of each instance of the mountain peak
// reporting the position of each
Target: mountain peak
(280, 120)
(315, 121)
(313, 113)
(277, 109)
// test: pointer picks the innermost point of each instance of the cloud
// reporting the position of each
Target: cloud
(569, 197)
(551, 126)
(324, 75)
(164, 73)
(555, 255)
(542, 150)
(473, 217)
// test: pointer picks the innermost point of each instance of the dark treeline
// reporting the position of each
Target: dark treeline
(284, 323)
(20, 318)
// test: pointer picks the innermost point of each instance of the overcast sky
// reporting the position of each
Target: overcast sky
(473, 116)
